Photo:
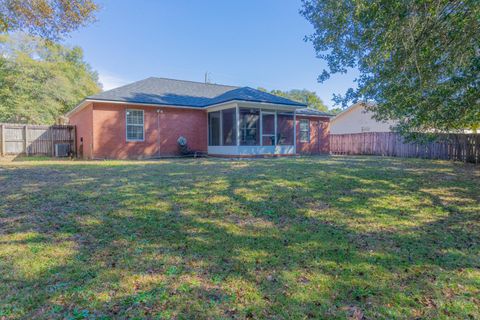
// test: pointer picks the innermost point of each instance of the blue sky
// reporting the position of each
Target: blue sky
(246, 43)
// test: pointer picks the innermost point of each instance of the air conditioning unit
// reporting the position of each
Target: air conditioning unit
(62, 150)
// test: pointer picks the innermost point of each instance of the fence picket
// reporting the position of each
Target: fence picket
(35, 139)
(459, 147)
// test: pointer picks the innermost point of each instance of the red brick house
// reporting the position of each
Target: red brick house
(145, 119)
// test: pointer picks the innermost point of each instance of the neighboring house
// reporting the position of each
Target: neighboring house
(356, 119)
(145, 119)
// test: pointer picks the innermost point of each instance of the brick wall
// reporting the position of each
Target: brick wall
(319, 136)
(162, 126)
(102, 127)
(83, 121)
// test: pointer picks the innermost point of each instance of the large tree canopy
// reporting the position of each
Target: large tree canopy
(309, 97)
(419, 60)
(46, 18)
(41, 80)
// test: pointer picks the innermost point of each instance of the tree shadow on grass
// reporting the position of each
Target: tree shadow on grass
(261, 239)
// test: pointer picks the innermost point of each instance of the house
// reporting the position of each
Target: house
(145, 119)
(356, 119)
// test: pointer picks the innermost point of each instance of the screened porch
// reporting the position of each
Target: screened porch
(241, 130)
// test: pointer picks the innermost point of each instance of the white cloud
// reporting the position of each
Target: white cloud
(111, 81)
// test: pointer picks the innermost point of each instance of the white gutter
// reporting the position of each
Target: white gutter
(314, 115)
(286, 106)
(85, 102)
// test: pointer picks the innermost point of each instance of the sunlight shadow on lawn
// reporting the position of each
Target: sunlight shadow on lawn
(260, 239)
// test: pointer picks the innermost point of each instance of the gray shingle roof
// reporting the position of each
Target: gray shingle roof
(313, 112)
(253, 95)
(186, 93)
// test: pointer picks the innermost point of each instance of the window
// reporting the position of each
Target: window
(214, 128)
(249, 127)
(304, 130)
(135, 129)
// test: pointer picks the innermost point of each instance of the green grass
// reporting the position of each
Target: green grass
(324, 237)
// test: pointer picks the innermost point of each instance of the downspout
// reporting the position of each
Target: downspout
(295, 132)
(237, 118)
(318, 136)
(158, 132)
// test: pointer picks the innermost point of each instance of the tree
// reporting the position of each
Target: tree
(336, 111)
(49, 19)
(41, 80)
(304, 96)
(419, 60)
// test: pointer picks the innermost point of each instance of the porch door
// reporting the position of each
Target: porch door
(268, 128)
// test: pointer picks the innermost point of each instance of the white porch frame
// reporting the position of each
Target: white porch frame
(239, 150)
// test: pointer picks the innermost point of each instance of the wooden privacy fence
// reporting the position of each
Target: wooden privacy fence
(459, 147)
(34, 139)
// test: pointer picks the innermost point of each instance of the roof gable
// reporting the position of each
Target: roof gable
(348, 110)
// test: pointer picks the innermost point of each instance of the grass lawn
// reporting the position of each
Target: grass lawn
(321, 237)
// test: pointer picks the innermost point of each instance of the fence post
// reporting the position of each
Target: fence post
(52, 141)
(2, 139)
(25, 128)
(74, 151)
(477, 149)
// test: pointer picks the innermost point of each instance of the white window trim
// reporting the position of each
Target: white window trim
(308, 130)
(137, 125)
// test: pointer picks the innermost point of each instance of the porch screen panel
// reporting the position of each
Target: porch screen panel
(268, 128)
(229, 124)
(285, 129)
(214, 128)
(249, 127)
